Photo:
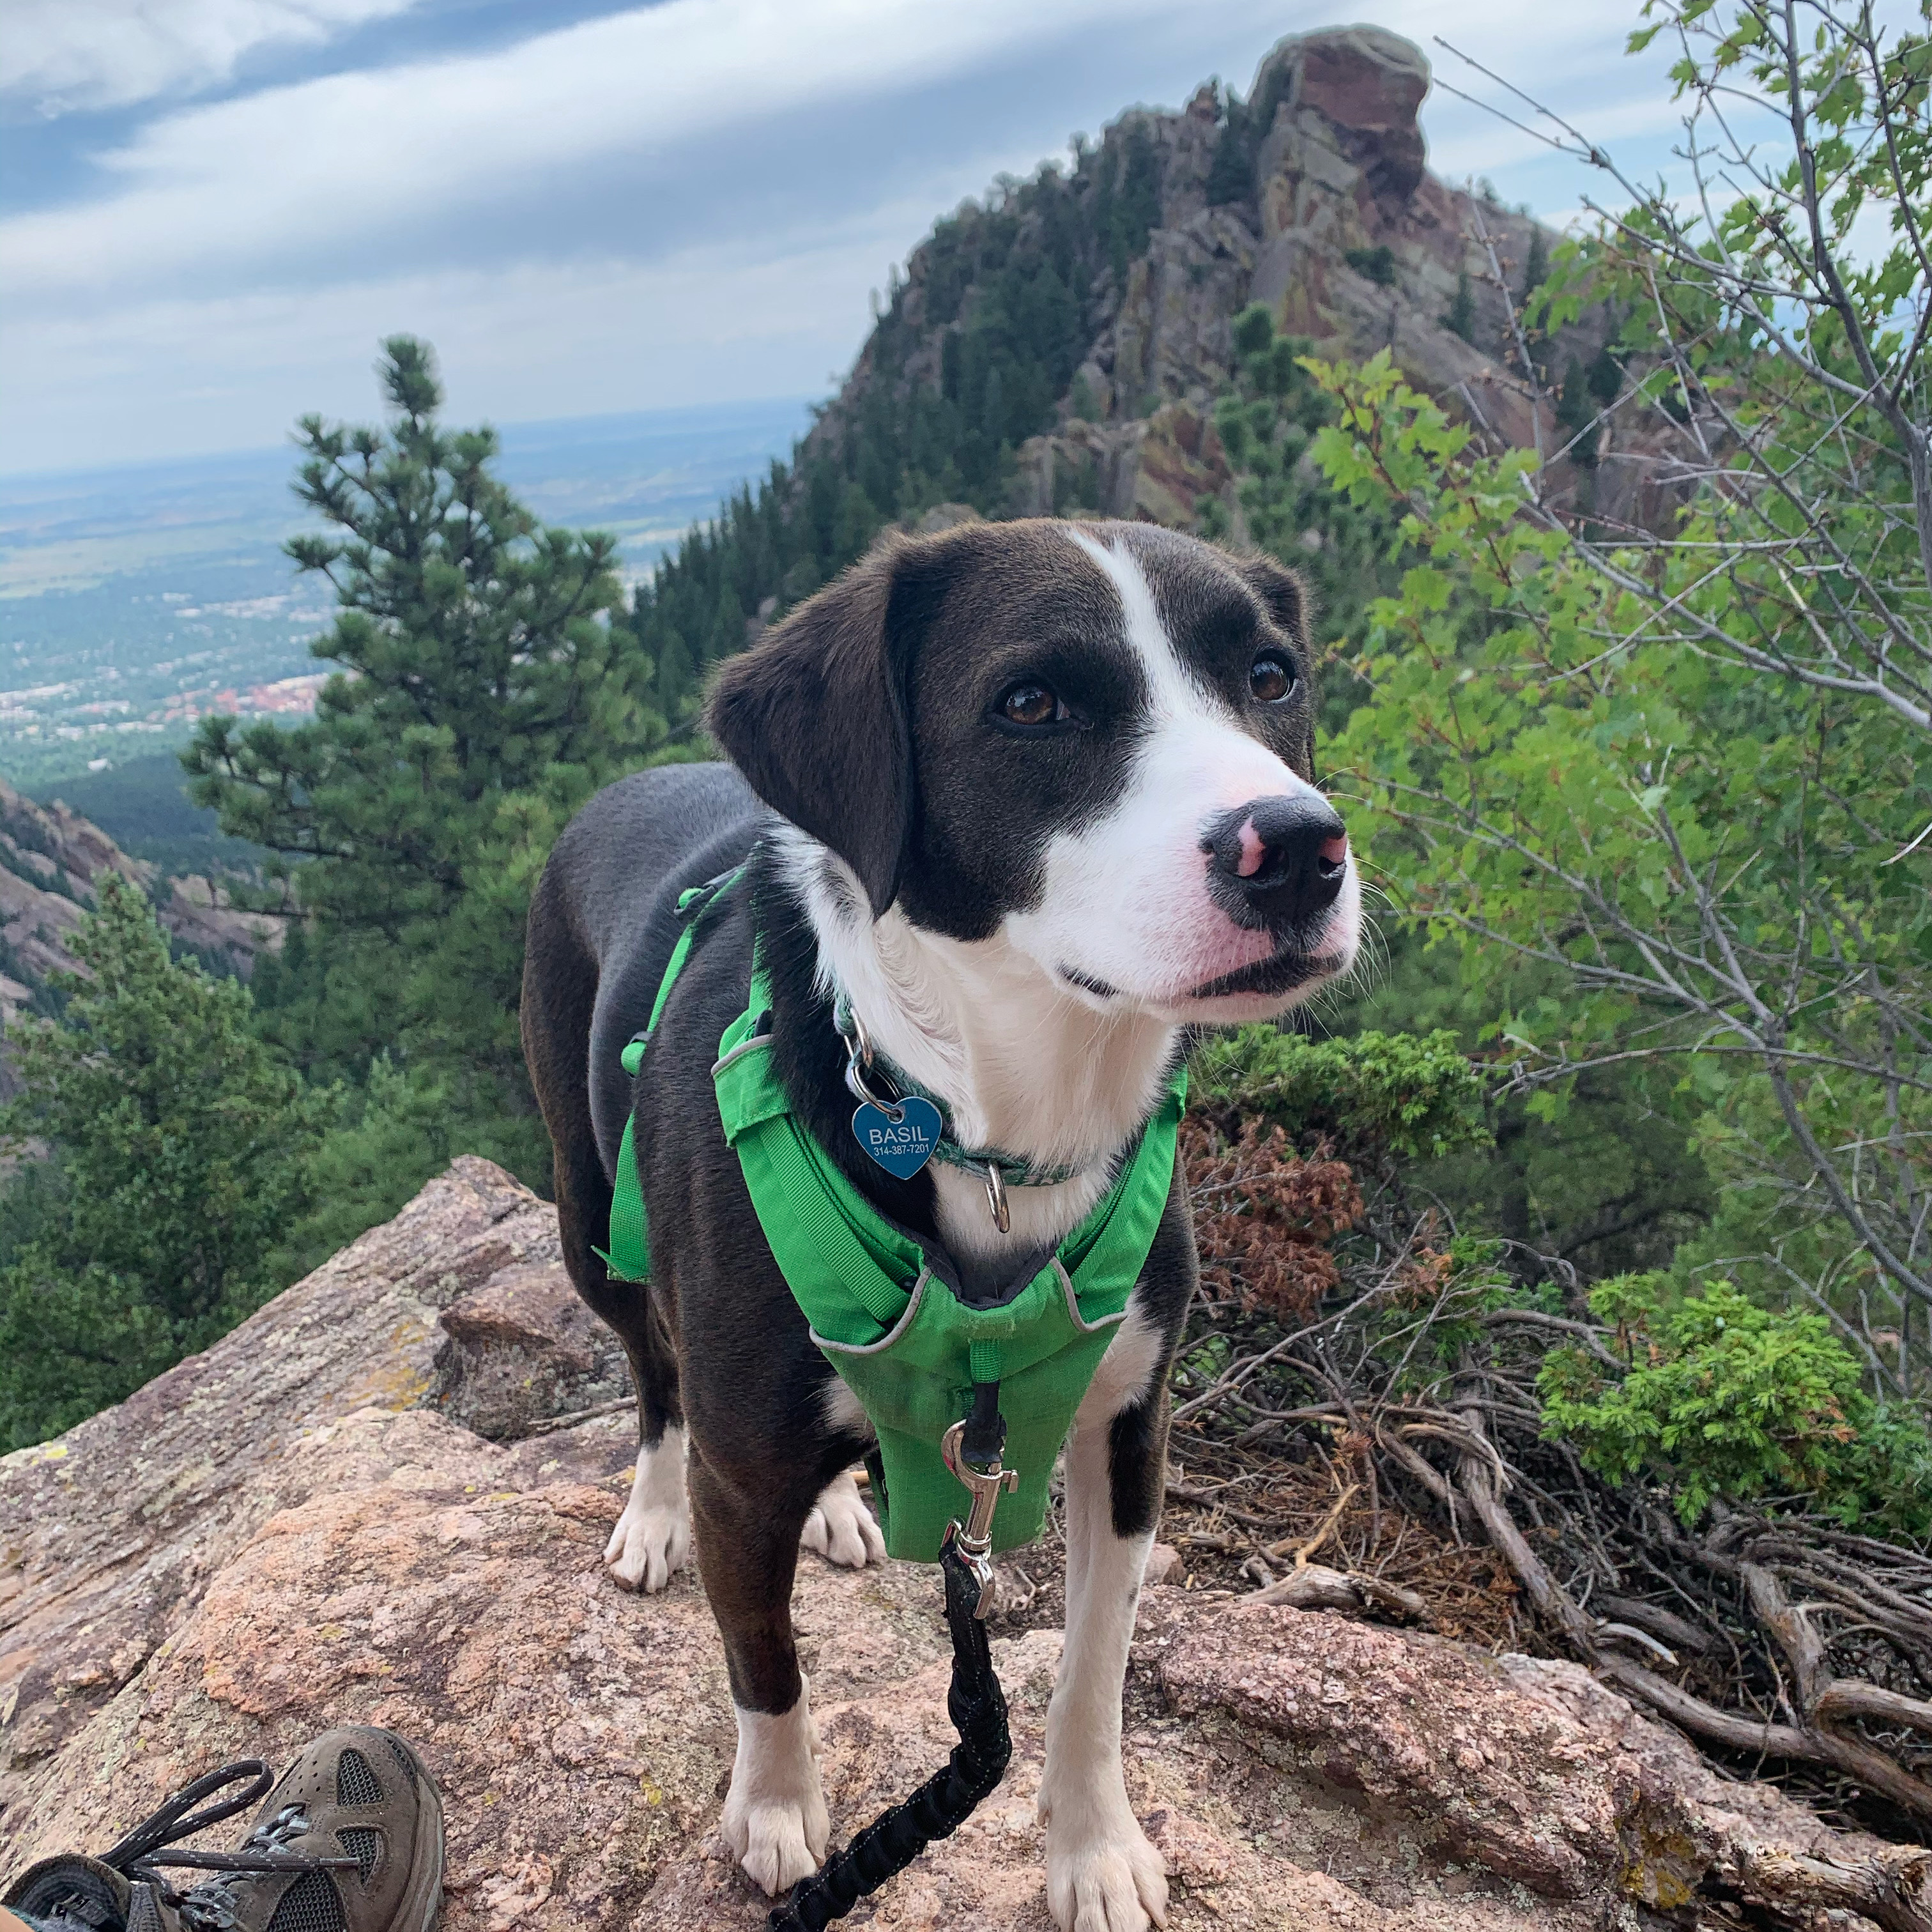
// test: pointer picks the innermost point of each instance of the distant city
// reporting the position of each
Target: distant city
(135, 601)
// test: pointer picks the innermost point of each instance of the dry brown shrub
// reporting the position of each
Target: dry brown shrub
(1281, 1503)
(1264, 1215)
(1419, 1282)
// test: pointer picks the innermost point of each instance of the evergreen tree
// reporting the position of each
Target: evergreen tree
(1231, 175)
(1604, 377)
(176, 1149)
(1536, 270)
(1134, 209)
(1460, 318)
(486, 691)
(1377, 264)
(1575, 413)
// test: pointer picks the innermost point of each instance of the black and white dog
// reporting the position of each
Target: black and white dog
(1036, 798)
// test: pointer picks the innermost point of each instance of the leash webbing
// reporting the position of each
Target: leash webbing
(978, 1708)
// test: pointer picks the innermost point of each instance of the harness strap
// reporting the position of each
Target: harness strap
(629, 1256)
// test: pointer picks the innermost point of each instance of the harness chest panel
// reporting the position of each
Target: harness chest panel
(891, 1326)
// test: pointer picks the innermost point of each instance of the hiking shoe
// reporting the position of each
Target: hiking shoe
(350, 1840)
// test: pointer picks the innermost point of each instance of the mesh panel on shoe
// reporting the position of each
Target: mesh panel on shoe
(361, 1844)
(355, 1782)
(309, 1905)
(64, 1907)
(403, 1758)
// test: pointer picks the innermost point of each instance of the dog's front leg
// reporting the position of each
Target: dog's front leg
(748, 1538)
(1102, 1874)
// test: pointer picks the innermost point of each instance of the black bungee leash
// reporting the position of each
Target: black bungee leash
(975, 1702)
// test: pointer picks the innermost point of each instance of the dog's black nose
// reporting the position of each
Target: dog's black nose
(1277, 862)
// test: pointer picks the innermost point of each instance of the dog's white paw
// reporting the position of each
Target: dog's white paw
(648, 1546)
(1102, 1874)
(840, 1528)
(652, 1541)
(775, 1815)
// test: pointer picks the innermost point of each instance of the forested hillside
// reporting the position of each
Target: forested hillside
(52, 861)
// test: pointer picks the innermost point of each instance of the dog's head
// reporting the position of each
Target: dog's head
(1095, 740)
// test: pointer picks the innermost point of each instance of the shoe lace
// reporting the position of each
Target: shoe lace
(210, 1906)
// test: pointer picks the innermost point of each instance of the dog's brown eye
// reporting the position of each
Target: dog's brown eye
(1270, 677)
(1032, 704)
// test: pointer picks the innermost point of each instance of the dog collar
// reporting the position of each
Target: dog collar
(993, 1166)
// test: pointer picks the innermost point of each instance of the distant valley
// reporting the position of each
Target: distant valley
(134, 601)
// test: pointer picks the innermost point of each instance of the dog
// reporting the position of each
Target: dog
(1037, 798)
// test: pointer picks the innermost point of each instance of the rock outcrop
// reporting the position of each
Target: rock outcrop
(50, 860)
(1335, 223)
(292, 1531)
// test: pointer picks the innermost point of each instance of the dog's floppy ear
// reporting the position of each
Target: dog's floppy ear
(1282, 593)
(815, 716)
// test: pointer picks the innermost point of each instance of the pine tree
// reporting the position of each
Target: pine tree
(176, 1148)
(1460, 317)
(1536, 270)
(486, 691)
(1575, 413)
(1231, 175)
(1135, 212)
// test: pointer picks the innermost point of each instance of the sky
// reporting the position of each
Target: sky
(212, 210)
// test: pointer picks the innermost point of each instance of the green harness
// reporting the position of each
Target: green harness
(900, 1339)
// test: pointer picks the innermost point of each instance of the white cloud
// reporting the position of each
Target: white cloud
(66, 54)
(720, 322)
(288, 172)
(239, 259)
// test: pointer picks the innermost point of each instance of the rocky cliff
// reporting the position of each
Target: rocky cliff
(50, 859)
(1313, 197)
(304, 1526)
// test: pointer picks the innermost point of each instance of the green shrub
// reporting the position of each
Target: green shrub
(1378, 264)
(1725, 1399)
(1412, 1097)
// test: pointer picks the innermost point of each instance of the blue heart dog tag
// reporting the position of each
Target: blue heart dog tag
(901, 1147)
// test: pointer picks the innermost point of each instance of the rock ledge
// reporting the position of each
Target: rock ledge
(284, 1533)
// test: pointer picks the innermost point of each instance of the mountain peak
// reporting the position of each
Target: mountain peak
(1109, 288)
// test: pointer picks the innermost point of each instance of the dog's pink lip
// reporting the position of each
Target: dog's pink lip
(1334, 851)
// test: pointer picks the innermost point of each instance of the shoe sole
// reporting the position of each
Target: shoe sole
(422, 1901)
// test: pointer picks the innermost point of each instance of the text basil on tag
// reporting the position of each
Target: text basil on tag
(901, 1147)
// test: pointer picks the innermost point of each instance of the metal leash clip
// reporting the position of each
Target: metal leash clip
(974, 1538)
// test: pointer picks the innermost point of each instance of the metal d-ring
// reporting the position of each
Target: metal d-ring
(996, 1196)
